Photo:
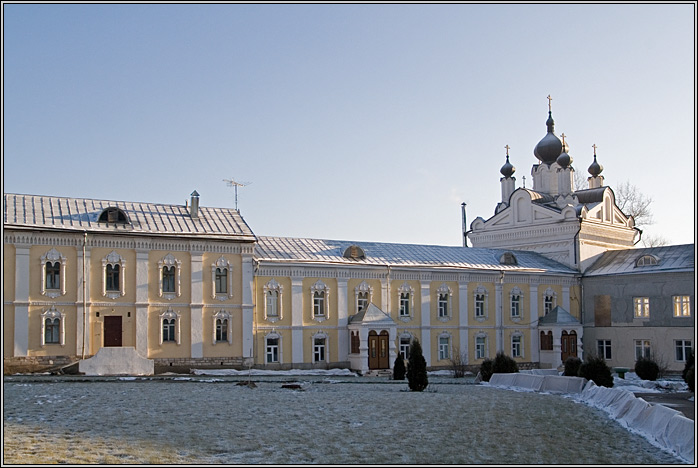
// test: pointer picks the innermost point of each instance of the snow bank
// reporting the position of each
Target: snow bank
(291, 372)
(539, 383)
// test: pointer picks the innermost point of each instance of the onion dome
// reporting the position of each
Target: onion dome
(507, 169)
(595, 168)
(564, 160)
(549, 148)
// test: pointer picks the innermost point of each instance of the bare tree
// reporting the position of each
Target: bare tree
(634, 203)
(580, 182)
(458, 361)
(649, 240)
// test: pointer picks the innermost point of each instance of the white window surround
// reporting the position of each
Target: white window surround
(641, 307)
(169, 260)
(404, 348)
(552, 296)
(682, 306)
(221, 263)
(516, 296)
(443, 299)
(222, 315)
(481, 339)
(170, 314)
(53, 313)
(405, 288)
(322, 336)
(114, 259)
(53, 256)
(273, 291)
(322, 289)
(273, 335)
(363, 289)
(481, 291)
(444, 341)
(517, 337)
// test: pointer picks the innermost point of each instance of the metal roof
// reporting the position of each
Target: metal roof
(303, 250)
(82, 214)
(623, 262)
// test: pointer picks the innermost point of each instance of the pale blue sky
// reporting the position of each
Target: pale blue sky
(353, 122)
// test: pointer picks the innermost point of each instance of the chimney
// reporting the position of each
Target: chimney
(194, 210)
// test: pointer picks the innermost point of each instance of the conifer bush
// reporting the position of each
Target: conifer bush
(595, 368)
(486, 369)
(688, 373)
(572, 364)
(646, 368)
(416, 368)
(399, 368)
(504, 364)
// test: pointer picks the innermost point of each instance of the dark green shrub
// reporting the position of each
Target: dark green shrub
(399, 368)
(572, 364)
(416, 368)
(504, 364)
(691, 378)
(690, 360)
(646, 368)
(486, 369)
(595, 369)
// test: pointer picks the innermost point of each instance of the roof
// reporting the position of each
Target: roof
(558, 316)
(288, 249)
(372, 315)
(82, 214)
(623, 262)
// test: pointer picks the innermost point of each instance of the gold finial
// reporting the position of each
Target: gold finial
(594, 146)
(507, 147)
(550, 101)
(563, 138)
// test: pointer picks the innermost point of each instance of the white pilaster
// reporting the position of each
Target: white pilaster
(463, 320)
(21, 341)
(297, 320)
(342, 320)
(535, 338)
(197, 306)
(426, 321)
(142, 302)
(566, 298)
(247, 305)
(498, 315)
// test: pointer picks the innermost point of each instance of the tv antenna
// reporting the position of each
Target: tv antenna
(233, 183)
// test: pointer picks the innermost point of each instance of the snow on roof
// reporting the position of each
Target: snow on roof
(82, 214)
(287, 249)
(623, 262)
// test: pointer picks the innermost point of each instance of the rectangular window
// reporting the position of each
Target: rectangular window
(641, 306)
(603, 348)
(479, 305)
(405, 348)
(516, 306)
(443, 347)
(272, 303)
(443, 305)
(682, 306)
(548, 304)
(642, 349)
(516, 346)
(53, 275)
(404, 304)
(221, 329)
(52, 327)
(480, 347)
(318, 303)
(319, 350)
(272, 350)
(683, 350)
(168, 330)
(362, 301)
(113, 278)
(221, 280)
(168, 279)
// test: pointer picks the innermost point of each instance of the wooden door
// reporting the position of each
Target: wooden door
(383, 351)
(112, 330)
(372, 350)
(568, 345)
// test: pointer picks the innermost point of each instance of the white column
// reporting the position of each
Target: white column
(21, 340)
(247, 305)
(535, 338)
(83, 302)
(197, 306)
(463, 319)
(566, 298)
(426, 321)
(142, 302)
(297, 320)
(498, 316)
(342, 320)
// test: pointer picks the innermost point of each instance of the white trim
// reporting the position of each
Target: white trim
(170, 314)
(53, 256)
(222, 263)
(320, 287)
(223, 315)
(114, 259)
(53, 314)
(273, 286)
(363, 288)
(444, 290)
(170, 260)
(481, 291)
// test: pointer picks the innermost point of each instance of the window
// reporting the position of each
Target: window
(641, 307)
(272, 301)
(549, 299)
(508, 258)
(516, 346)
(683, 350)
(113, 215)
(318, 349)
(113, 271)
(444, 347)
(170, 330)
(272, 348)
(642, 349)
(682, 306)
(406, 296)
(404, 304)
(516, 302)
(222, 327)
(646, 260)
(603, 348)
(480, 297)
(405, 347)
(170, 277)
(53, 277)
(443, 302)
(52, 329)
(363, 294)
(355, 342)
(319, 294)
(480, 347)
(222, 279)
(546, 341)
(443, 305)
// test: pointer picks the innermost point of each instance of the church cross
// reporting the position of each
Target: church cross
(594, 146)
(524, 181)
(550, 101)
(563, 138)
(507, 147)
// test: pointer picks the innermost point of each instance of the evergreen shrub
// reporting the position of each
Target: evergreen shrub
(504, 364)
(399, 368)
(486, 369)
(594, 368)
(688, 373)
(416, 368)
(646, 368)
(572, 364)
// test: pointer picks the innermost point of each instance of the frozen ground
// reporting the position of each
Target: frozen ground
(332, 419)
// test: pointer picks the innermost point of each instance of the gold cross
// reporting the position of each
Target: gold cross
(550, 100)
(594, 146)
(563, 138)
(507, 147)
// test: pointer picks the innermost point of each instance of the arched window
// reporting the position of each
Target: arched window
(170, 277)
(272, 345)
(480, 299)
(222, 327)
(113, 215)
(222, 276)
(406, 303)
(53, 277)
(549, 301)
(170, 330)
(646, 260)
(364, 296)
(113, 275)
(516, 303)
(546, 341)
(272, 301)
(517, 345)
(319, 295)
(320, 353)
(52, 327)
(443, 302)
(508, 258)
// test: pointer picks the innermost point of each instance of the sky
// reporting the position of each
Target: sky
(363, 122)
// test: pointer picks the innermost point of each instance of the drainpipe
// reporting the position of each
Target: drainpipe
(84, 293)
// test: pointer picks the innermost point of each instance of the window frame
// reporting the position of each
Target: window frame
(481, 346)
(604, 349)
(217, 293)
(641, 307)
(273, 290)
(517, 345)
(643, 348)
(405, 290)
(170, 261)
(320, 348)
(480, 303)
(320, 304)
(681, 306)
(516, 304)
(223, 316)
(444, 344)
(53, 314)
(171, 315)
(53, 256)
(272, 349)
(686, 348)
(114, 260)
(363, 295)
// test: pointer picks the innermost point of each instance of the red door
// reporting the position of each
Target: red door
(112, 330)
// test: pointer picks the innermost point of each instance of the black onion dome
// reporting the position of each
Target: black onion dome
(549, 148)
(564, 160)
(507, 169)
(595, 168)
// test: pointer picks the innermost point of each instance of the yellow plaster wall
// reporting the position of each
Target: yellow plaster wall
(221, 349)
(330, 344)
(490, 304)
(35, 348)
(286, 300)
(376, 298)
(453, 303)
(96, 275)
(154, 256)
(170, 349)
